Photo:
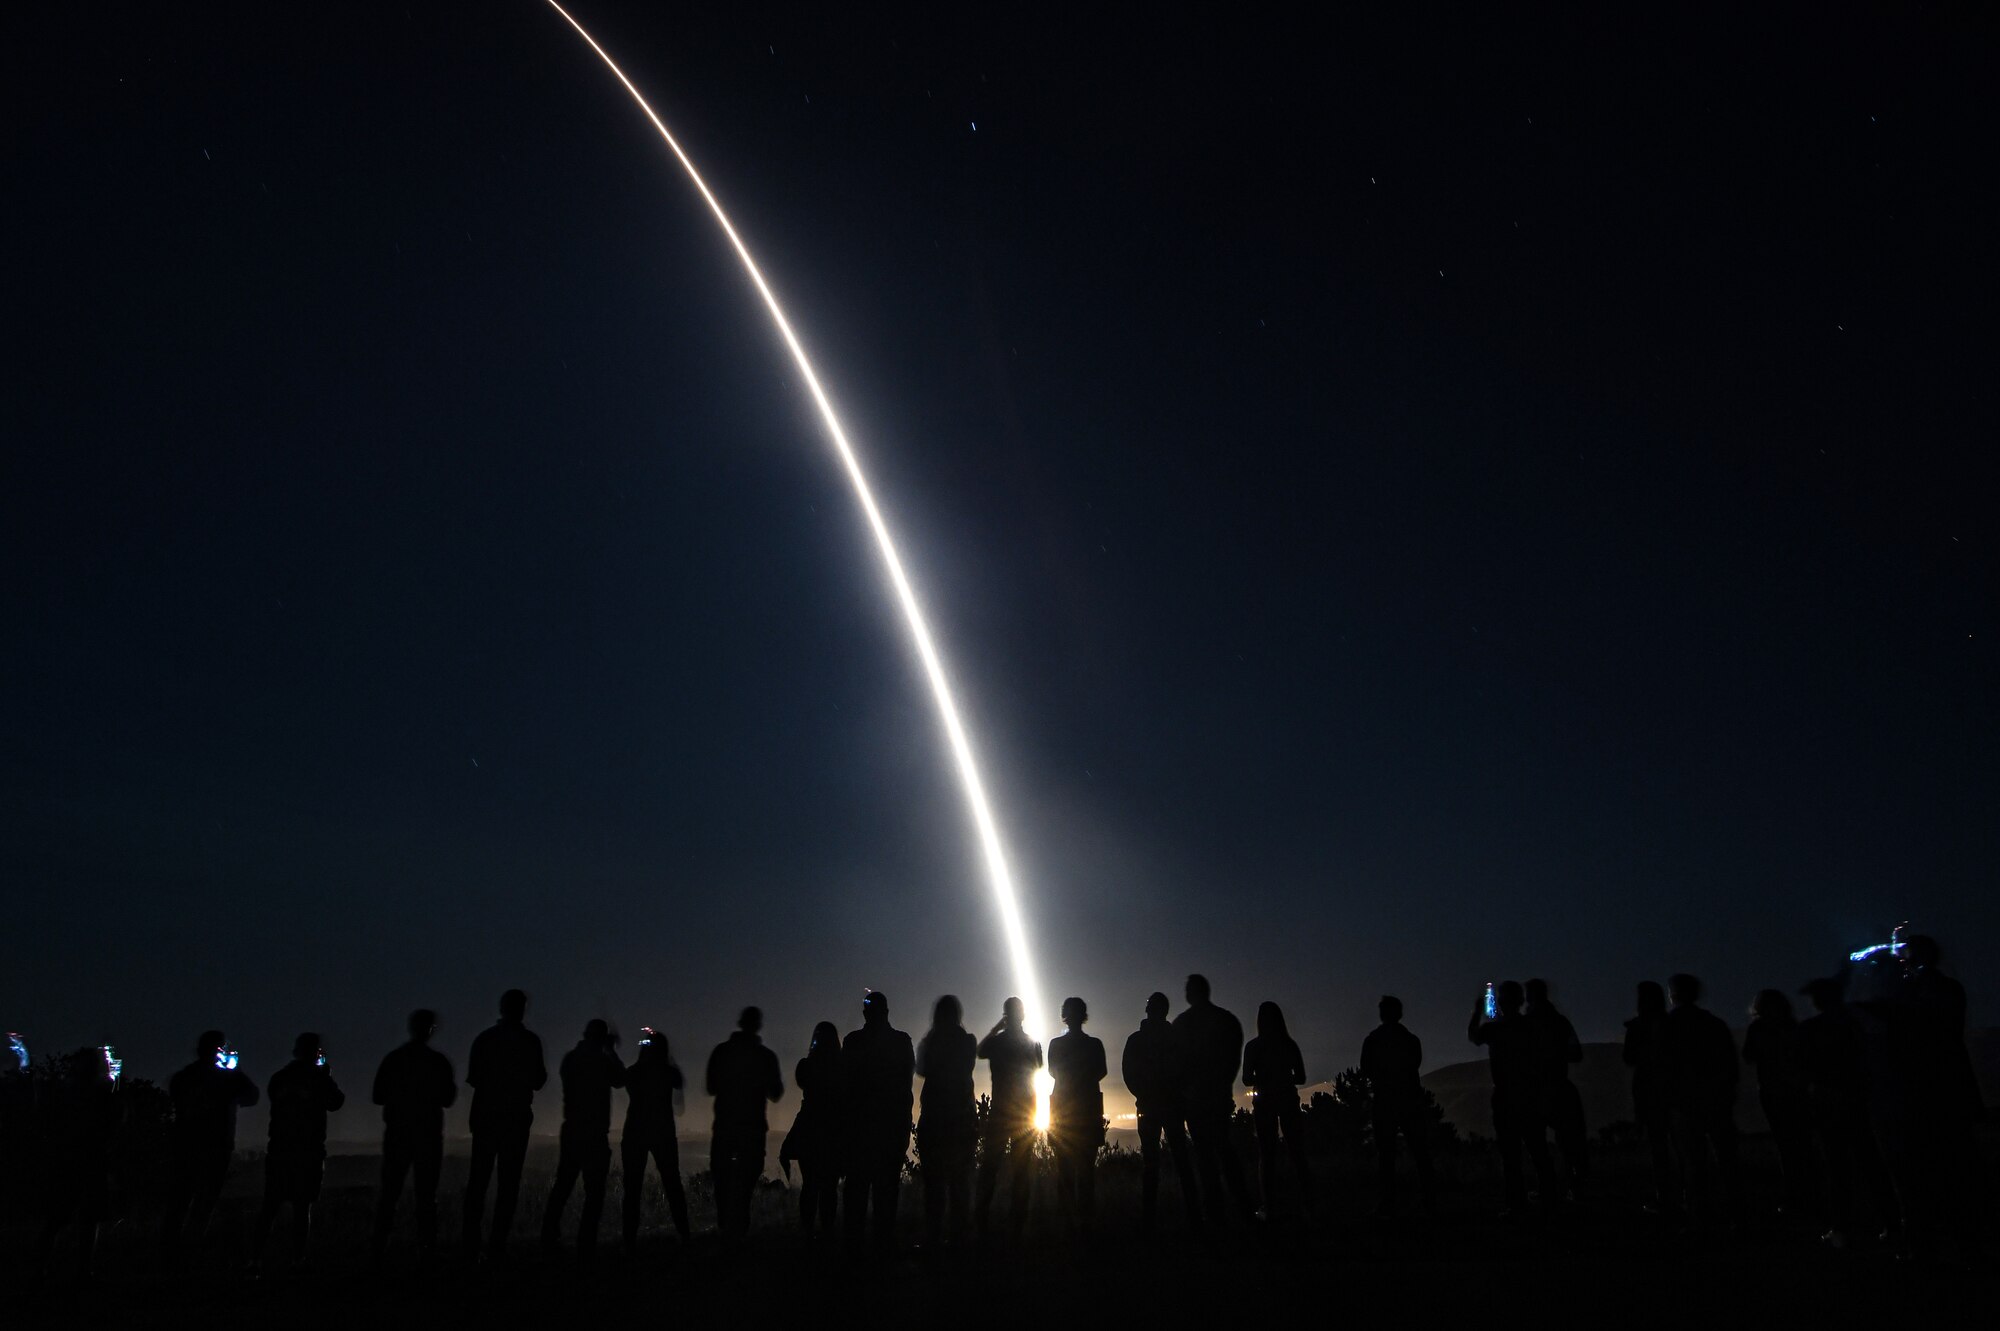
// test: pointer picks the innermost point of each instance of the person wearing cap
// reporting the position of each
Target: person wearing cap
(877, 1071)
(302, 1093)
(589, 1072)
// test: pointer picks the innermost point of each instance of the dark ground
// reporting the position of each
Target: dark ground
(1603, 1262)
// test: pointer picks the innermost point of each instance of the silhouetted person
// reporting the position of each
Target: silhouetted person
(1211, 1051)
(71, 1163)
(1933, 1157)
(589, 1073)
(1645, 1052)
(414, 1086)
(1857, 1182)
(877, 1065)
(743, 1077)
(505, 1070)
(1009, 1132)
(1274, 1069)
(206, 1096)
(302, 1093)
(1771, 1046)
(1511, 1052)
(1556, 1048)
(654, 1091)
(1152, 1071)
(1701, 1094)
(1076, 1112)
(815, 1138)
(1391, 1059)
(948, 1124)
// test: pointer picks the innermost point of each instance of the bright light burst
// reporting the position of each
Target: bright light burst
(997, 872)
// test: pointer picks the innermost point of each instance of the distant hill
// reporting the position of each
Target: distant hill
(1465, 1090)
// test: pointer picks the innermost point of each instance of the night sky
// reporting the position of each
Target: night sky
(1410, 501)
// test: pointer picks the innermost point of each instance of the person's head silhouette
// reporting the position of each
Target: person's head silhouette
(948, 1013)
(1921, 952)
(875, 1008)
(750, 1020)
(1157, 1005)
(1536, 992)
(1509, 996)
(1683, 990)
(1271, 1022)
(1012, 1013)
(514, 1006)
(1389, 1009)
(1074, 1013)
(825, 1041)
(597, 1033)
(423, 1024)
(307, 1047)
(1652, 998)
(1197, 990)
(653, 1044)
(88, 1066)
(1824, 993)
(207, 1044)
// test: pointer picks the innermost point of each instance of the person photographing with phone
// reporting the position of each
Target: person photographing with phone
(206, 1095)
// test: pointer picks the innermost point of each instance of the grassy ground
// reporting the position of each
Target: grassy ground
(1604, 1260)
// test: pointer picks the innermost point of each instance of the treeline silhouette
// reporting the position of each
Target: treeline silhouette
(1871, 1101)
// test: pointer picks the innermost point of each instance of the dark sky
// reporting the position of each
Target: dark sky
(1408, 501)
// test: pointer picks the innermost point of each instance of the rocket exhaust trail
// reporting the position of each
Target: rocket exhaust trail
(997, 872)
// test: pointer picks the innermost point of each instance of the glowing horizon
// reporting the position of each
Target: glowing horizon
(999, 875)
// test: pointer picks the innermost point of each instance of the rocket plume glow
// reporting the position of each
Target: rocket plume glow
(997, 872)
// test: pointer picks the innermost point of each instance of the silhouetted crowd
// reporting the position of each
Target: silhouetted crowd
(1871, 1103)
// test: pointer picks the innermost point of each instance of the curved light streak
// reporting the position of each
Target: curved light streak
(997, 872)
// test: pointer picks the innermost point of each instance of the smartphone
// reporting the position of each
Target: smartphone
(225, 1059)
(18, 1048)
(645, 1036)
(320, 1062)
(113, 1065)
(1492, 1002)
